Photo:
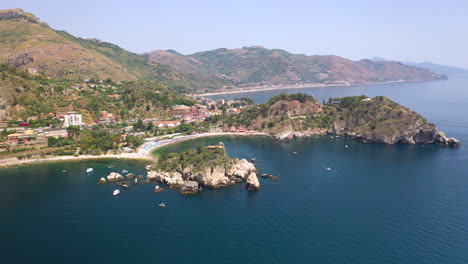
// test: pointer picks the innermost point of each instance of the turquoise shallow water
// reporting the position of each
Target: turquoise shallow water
(379, 204)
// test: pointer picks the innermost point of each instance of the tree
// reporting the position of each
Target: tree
(52, 142)
(150, 126)
(186, 128)
(138, 125)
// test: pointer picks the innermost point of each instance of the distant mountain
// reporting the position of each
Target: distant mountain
(437, 68)
(260, 66)
(29, 44)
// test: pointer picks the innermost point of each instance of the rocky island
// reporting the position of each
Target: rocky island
(374, 120)
(195, 169)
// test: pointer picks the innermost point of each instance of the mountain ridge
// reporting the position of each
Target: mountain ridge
(257, 65)
(28, 44)
(434, 67)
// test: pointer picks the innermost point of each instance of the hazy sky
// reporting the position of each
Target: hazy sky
(413, 30)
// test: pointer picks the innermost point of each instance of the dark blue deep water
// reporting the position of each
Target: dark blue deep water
(379, 204)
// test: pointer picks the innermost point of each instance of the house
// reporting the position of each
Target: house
(167, 123)
(55, 132)
(215, 147)
(232, 111)
(106, 118)
(180, 111)
(3, 123)
(72, 119)
(114, 96)
(28, 138)
(33, 71)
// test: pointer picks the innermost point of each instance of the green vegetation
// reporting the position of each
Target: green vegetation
(94, 142)
(260, 66)
(197, 159)
(291, 97)
(248, 115)
(39, 96)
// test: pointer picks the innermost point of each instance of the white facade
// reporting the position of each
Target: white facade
(72, 119)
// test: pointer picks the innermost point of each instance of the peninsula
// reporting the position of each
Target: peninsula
(374, 120)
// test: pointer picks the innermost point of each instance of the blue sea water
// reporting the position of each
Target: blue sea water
(378, 204)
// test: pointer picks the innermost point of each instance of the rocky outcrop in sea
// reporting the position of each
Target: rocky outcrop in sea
(190, 180)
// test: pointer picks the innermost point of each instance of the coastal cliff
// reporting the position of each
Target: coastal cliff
(210, 167)
(375, 120)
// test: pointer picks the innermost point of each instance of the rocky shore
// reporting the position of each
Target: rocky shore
(189, 180)
(417, 135)
(373, 120)
(208, 167)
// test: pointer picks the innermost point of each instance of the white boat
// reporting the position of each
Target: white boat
(327, 168)
(346, 146)
(116, 192)
(89, 170)
(162, 205)
(294, 152)
(124, 171)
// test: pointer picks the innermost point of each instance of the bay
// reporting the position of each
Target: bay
(378, 204)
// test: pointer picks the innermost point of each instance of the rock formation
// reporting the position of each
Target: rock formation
(114, 176)
(375, 120)
(252, 182)
(189, 181)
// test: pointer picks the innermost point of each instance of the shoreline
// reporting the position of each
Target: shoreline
(147, 152)
(141, 154)
(15, 162)
(301, 86)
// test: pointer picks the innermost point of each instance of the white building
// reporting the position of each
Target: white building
(72, 119)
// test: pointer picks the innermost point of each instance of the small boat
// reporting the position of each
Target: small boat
(116, 192)
(125, 185)
(111, 166)
(124, 171)
(253, 160)
(162, 205)
(89, 170)
(64, 171)
(158, 189)
(346, 146)
(295, 152)
(327, 168)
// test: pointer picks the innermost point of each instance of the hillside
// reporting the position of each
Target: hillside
(260, 66)
(29, 44)
(24, 96)
(434, 67)
(377, 120)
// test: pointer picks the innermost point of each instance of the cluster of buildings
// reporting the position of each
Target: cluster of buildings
(190, 114)
(199, 112)
(106, 118)
(31, 138)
